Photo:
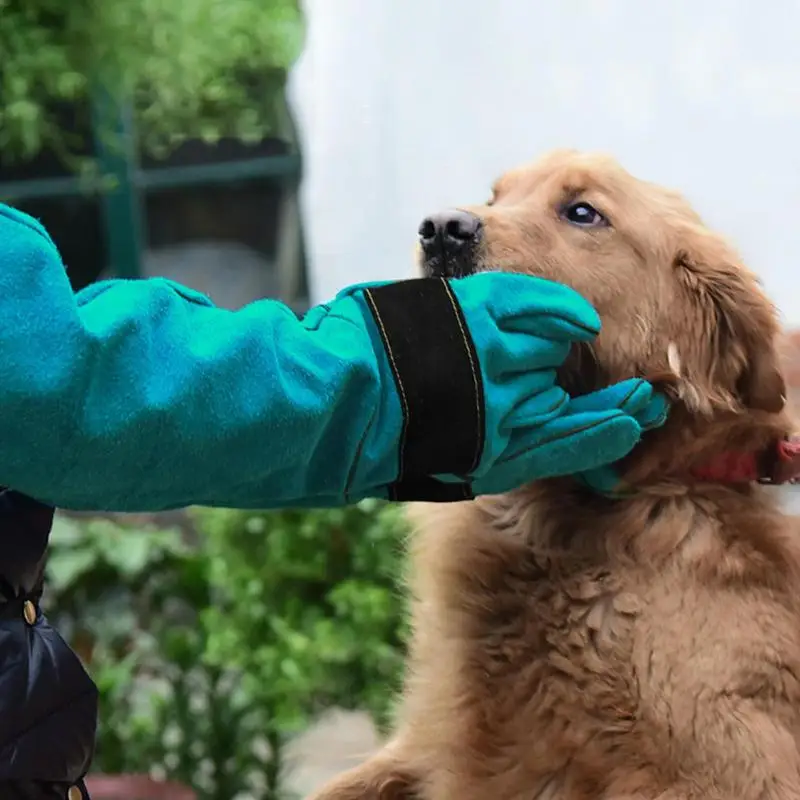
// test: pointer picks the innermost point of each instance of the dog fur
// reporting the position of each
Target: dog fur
(568, 646)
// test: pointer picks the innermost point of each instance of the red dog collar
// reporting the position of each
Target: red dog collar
(778, 464)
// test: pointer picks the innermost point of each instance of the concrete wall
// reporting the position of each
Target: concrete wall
(409, 105)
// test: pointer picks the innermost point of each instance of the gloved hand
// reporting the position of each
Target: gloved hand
(605, 425)
(649, 410)
(496, 406)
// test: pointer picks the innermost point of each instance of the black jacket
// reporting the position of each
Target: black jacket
(48, 704)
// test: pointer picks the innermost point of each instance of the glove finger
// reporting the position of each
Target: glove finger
(527, 304)
(537, 408)
(634, 396)
(654, 414)
(573, 443)
(630, 396)
(559, 457)
(514, 353)
(550, 325)
(555, 312)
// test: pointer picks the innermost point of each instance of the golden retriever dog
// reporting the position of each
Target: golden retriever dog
(570, 645)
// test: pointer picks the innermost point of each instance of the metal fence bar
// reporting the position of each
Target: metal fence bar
(290, 261)
(40, 188)
(115, 147)
(277, 167)
(120, 183)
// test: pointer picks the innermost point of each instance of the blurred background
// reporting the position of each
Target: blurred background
(270, 148)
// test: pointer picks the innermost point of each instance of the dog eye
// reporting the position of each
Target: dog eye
(584, 215)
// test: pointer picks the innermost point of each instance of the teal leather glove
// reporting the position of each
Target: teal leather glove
(592, 426)
(522, 329)
(649, 410)
(141, 395)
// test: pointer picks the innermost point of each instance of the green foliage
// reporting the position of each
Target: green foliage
(311, 612)
(209, 656)
(191, 68)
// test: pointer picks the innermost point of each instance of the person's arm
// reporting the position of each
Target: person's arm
(141, 395)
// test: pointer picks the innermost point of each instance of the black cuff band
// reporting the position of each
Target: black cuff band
(438, 380)
(429, 490)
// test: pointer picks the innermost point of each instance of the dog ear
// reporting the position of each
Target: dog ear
(761, 385)
(741, 369)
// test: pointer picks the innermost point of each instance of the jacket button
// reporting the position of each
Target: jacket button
(29, 612)
(74, 793)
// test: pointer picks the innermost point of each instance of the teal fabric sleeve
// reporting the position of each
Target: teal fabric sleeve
(141, 395)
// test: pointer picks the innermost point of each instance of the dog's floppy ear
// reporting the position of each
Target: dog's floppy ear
(761, 385)
(735, 363)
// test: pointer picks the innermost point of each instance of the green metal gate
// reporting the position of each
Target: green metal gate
(122, 184)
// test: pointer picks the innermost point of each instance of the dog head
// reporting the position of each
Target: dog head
(677, 305)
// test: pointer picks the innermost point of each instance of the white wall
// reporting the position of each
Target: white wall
(411, 105)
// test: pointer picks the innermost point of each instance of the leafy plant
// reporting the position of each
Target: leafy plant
(200, 68)
(126, 599)
(311, 611)
(210, 656)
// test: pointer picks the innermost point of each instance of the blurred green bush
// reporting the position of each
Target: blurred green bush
(211, 655)
(189, 67)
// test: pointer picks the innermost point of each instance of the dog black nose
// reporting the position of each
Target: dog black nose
(449, 233)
